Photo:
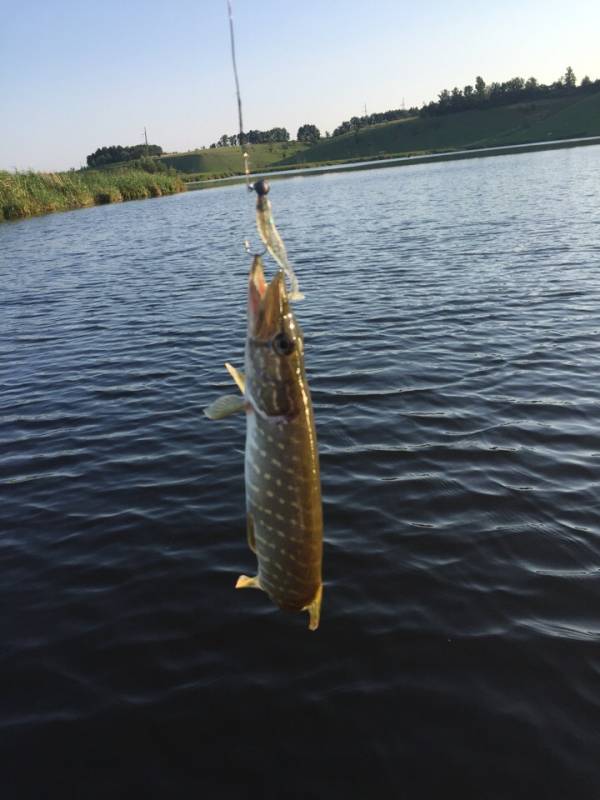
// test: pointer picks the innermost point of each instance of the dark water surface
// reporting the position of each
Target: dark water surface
(452, 327)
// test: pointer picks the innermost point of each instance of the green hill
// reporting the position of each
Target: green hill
(539, 121)
(225, 161)
(546, 120)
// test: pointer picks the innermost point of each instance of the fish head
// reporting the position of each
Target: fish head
(274, 348)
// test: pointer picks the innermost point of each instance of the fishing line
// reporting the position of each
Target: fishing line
(239, 99)
(264, 213)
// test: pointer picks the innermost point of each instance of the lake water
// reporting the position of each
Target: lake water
(452, 323)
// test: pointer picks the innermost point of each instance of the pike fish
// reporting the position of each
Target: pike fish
(283, 488)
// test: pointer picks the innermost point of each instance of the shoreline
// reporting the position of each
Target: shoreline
(45, 193)
(30, 194)
(398, 161)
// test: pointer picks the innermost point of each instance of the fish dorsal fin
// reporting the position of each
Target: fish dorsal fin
(244, 582)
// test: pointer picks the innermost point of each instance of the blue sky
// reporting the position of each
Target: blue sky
(75, 76)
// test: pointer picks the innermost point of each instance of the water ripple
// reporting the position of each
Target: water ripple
(452, 342)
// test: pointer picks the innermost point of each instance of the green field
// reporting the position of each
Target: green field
(547, 120)
(24, 194)
(221, 162)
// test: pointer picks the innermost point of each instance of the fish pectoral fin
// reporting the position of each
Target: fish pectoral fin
(314, 609)
(238, 377)
(225, 406)
(244, 582)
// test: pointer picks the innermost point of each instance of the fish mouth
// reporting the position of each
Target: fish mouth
(267, 303)
(257, 284)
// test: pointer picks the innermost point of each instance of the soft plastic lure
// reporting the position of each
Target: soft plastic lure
(271, 238)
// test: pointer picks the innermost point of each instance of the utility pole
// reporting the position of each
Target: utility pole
(366, 110)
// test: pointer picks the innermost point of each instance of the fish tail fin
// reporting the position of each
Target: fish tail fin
(314, 609)
(244, 582)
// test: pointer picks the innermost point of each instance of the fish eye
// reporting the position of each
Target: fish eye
(282, 344)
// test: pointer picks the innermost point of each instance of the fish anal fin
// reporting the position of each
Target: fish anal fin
(244, 582)
(225, 406)
(250, 533)
(314, 609)
(238, 377)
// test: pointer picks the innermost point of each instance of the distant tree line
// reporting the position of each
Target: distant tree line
(253, 137)
(117, 152)
(478, 96)
(516, 90)
(355, 123)
(306, 133)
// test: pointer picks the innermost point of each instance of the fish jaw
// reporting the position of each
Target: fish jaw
(268, 304)
(256, 289)
(274, 351)
(274, 308)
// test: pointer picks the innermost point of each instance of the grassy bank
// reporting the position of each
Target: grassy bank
(222, 162)
(24, 194)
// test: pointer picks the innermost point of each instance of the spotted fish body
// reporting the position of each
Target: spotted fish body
(283, 489)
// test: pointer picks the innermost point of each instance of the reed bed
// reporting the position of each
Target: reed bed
(25, 194)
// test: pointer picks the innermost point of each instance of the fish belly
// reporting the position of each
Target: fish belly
(283, 503)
